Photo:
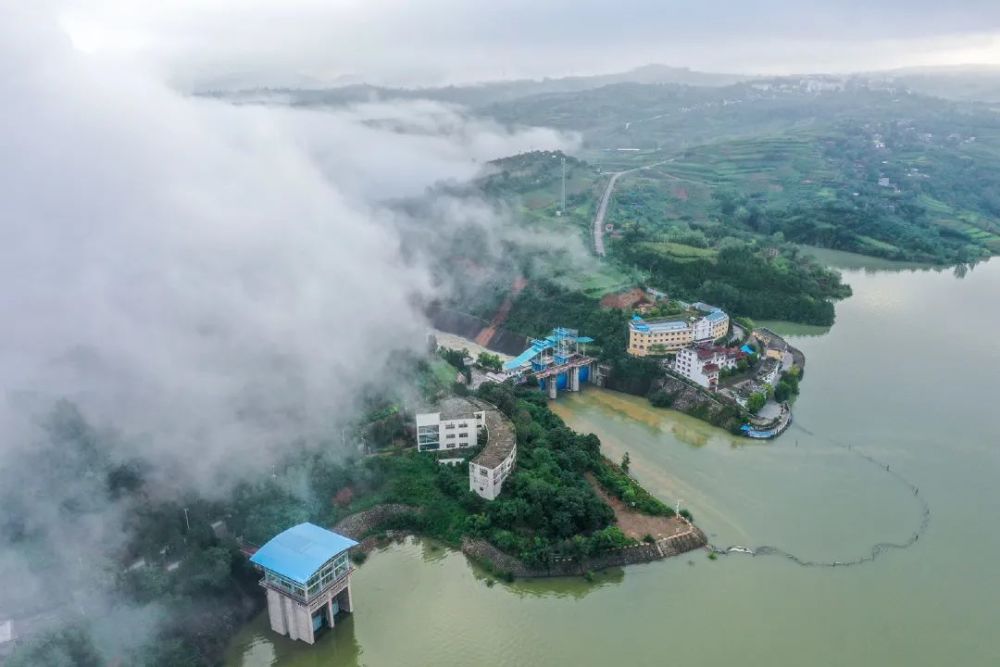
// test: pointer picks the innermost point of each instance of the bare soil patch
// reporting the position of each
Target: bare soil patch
(635, 524)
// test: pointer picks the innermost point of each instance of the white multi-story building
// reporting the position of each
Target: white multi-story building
(769, 371)
(494, 464)
(711, 327)
(455, 426)
(703, 363)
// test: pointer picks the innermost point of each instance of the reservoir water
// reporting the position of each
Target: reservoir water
(907, 375)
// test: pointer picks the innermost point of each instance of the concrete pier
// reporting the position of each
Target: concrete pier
(294, 618)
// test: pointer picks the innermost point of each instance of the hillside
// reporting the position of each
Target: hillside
(888, 190)
(481, 94)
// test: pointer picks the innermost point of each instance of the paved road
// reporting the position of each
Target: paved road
(602, 209)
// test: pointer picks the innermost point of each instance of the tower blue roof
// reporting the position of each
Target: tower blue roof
(300, 551)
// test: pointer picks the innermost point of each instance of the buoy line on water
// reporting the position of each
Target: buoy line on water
(875, 551)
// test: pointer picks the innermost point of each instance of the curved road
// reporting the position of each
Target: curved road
(602, 209)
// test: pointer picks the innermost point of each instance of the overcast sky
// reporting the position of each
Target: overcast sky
(435, 41)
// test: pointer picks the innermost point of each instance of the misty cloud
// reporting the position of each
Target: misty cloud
(174, 262)
(207, 284)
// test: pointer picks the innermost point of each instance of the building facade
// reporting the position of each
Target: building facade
(307, 575)
(666, 335)
(492, 466)
(702, 364)
(455, 426)
(769, 371)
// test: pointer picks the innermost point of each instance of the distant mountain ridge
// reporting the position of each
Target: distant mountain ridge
(953, 82)
(481, 94)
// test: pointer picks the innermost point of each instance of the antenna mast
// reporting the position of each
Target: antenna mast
(562, 207)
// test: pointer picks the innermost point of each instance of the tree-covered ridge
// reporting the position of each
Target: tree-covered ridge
(748, 279)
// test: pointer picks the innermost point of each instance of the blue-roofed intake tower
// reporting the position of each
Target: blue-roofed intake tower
(556, 361)
(307, 575)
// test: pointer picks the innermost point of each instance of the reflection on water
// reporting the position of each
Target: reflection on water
(396, 591)
(566, 587)
(796, 329)
(257, 646)
(881, 381)
(841, 259)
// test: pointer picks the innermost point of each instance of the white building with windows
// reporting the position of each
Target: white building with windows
(494, 464)
(769, 372)
(702, 364)
(455, 426)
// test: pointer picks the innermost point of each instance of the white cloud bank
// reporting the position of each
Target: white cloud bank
(213, 278)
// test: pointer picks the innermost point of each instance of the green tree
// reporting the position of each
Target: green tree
(489, 361)
(626, 460)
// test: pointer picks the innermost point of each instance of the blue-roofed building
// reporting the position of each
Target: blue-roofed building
(669, 334)
(307, 575)
(557, 361)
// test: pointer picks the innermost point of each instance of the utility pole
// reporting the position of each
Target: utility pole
(562, 208)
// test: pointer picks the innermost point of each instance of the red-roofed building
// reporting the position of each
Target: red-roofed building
(703, 363)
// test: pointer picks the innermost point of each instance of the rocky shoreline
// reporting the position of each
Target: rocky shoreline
(362, 525)
(505, 564)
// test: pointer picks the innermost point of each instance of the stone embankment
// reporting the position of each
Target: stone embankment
(692, 400)
(689, 540)
(360, 525)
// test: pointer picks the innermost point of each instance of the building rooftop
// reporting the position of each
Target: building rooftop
(459, 408)
(705, 308)
(501, 442)
(300, 551)
(768, 366)
(661, 325)
(716, 316)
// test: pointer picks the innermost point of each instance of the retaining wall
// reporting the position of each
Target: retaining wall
(563, 567)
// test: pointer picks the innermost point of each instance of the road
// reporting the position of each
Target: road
(602, 209)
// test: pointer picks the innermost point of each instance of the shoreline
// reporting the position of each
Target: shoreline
(365, 527)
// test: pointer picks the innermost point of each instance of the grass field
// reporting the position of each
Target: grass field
(681, 251)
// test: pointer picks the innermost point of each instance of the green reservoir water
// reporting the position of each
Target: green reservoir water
(907, 375)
